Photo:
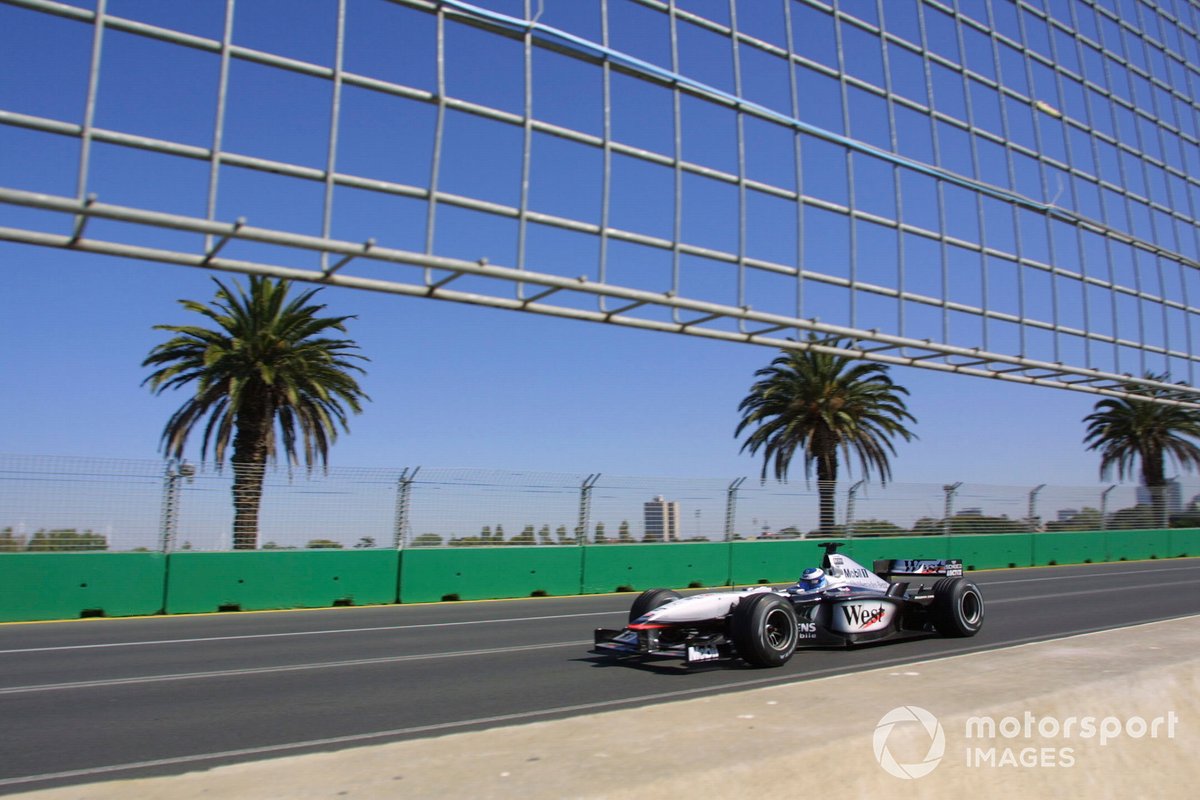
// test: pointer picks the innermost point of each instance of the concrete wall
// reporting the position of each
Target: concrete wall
(261, 579)
(70, 585)
(485, 573)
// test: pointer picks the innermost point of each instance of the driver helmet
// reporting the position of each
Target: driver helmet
(812, 578)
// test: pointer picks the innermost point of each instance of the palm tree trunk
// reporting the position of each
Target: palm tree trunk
(247, 497)
(826, 489)
(1155, 479)
(249, 466)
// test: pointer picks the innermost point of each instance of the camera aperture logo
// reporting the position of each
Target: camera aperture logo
(1024, 742)
(932, 728)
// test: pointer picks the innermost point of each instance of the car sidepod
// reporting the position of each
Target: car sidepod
(851, 619)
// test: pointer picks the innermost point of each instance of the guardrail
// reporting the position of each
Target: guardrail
(40, 586)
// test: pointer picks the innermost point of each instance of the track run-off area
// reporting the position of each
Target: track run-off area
(92, 700)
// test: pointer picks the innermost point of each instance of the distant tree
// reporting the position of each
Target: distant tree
(1185, 519)
(875, 527)
(64, 539)
(600, 533)
(623, 534)
(927, 526)
(427, 540)
(966, 524)
(10, 542)
(544, 536)
(525, 537)
(560, 533)
(323, 544)
(365, 543)
(1129, 431)
(498, 535)
(1139, 517)
(1086, 520)
(485, 535)
(266, 376)
(824, 407)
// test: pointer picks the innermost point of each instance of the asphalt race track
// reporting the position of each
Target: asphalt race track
(105, 699)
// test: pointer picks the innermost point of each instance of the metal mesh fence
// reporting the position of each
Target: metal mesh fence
(986, 187)
(58, 503)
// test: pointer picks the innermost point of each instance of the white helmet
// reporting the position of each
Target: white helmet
(812, 578)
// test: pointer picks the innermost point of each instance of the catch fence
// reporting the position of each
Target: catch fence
(52, 503)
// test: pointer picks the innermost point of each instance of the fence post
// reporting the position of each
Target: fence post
(850, 495)
(1104, 507)
(1033, 517)
(169, 525)
(403, 500)
(950, 489)
(731, 507)
(585, 508)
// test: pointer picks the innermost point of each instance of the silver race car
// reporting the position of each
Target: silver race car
(839, 603)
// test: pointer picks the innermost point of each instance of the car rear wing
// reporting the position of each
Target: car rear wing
(942, 568)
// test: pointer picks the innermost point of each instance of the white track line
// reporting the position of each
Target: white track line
(238, 637)
(227, 673)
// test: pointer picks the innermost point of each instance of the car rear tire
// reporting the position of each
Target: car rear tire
(651, 599)
(764, 630)
(957, 607)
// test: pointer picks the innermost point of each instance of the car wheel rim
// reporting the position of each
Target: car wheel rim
(779, 630)
(971, 606)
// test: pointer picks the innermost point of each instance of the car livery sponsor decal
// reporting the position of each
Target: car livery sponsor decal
(862, 616)
(926, 567)
(807, 630)
(848, 570)
(917, 567)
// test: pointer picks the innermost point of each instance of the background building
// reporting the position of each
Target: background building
(1172, 495)
(661, 520)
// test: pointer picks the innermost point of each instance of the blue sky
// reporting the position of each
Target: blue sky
(452, 385)
(461, 386)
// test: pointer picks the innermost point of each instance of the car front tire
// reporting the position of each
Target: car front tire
(649, 600)
(764, 630)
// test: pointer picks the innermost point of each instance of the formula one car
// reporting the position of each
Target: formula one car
(840, 603)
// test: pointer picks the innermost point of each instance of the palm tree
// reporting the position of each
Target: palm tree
(1130, 430)
(266, 364)
(821, 404)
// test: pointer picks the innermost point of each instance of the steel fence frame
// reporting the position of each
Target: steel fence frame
(1145, 235)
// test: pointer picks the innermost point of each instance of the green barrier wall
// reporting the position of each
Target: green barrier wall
(486, 573)
(262, 579)
(992, 551)
(867, 551)
(37, 586)
(611, 567)
(1184, 542)
(71, 585)
(1138, 545)
(1070, 547)
(770, 562)
(782, 562)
